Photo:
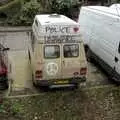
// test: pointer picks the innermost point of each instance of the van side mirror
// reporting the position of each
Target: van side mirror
(6, 49)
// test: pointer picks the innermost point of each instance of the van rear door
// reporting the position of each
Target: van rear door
(70, 60)
(52, 61)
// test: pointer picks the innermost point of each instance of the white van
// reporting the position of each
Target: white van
(56, 52)
(100, 28)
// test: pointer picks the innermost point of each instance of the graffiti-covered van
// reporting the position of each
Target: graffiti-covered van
(56, 52)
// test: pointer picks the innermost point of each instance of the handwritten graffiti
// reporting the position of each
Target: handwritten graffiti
(58, 29)
(61, 39)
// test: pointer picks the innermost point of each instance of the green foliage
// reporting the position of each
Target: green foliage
(62, 6)
(28, 11)
(10, 9)
(16, 108)
(8, 107)
(2, 108)
(5, 2)
(22, 12)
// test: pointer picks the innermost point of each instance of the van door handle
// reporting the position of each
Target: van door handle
(116, 59)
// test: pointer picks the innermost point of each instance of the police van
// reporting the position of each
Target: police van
(56, 52)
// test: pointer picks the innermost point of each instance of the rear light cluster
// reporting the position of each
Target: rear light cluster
(3, 71)
(38, 74)
(83, 71)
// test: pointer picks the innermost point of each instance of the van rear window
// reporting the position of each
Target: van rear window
(71, 50)
(51, 51)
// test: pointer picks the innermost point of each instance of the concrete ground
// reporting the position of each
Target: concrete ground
(23, 79)
(17, 40)
(22, 71)
(96, 76)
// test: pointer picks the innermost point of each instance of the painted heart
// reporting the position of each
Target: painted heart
(76, 29)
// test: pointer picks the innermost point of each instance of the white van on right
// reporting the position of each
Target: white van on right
(100, 28)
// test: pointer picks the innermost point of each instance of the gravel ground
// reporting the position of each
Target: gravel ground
(81, 104)
(93, 102)
(17, 39)
(95, 77)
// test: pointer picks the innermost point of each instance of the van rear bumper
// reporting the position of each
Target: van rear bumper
(56, 82)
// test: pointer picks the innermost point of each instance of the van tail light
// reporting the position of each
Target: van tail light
(3, 71)
(83, 71)
(38, 74)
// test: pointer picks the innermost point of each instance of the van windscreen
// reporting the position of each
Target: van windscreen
(51, 51)
(71, 50)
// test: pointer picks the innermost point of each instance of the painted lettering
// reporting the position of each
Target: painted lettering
(61, 39)
(56, 29)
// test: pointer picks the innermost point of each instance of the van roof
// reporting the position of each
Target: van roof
(111, 11)
(50, 19)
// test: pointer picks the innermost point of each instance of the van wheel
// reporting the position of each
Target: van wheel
(86, 48)
(76, 85)
(45, 88)
(88, 55)
(34, 84)
(114, 77)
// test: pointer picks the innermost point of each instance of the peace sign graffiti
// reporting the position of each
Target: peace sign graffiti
(52, 69)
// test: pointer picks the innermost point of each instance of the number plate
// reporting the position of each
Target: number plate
(61, 82)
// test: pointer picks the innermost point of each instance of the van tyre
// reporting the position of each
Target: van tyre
(88, 55)
(86, 48)
(34, 84)
(76, 86)
(44, 88)
(115, 78)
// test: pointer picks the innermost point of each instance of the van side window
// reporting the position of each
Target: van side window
(119, 48)
(51, 51)
(71, 50)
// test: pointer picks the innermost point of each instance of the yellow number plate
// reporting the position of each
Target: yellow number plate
(61, 82)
